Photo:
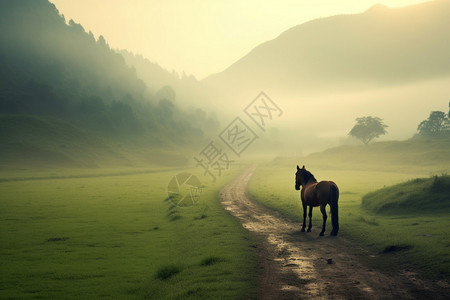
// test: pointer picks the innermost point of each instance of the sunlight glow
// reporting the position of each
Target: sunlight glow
(201, 37)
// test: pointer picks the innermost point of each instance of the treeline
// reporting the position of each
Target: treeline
(437, 124)
(49, 67)
(368, 128)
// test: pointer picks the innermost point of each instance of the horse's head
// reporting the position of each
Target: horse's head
(302, 177)
(299, 177)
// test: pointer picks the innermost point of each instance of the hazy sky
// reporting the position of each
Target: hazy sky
(200, 37)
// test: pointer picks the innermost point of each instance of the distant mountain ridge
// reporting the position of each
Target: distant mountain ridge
(154, 76)
(382, 46)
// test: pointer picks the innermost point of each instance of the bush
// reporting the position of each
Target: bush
(165, 272)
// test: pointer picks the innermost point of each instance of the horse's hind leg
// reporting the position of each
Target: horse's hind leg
(304, 217)
(310, 219)
(324, 215)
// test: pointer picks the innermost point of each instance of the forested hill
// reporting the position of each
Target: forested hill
(53, 72)
(155, 77)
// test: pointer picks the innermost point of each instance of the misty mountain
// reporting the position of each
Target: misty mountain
(379, 47)
(55, 76)
(154, 75)
(164, 84)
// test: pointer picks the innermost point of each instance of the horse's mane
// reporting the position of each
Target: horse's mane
(307, 176)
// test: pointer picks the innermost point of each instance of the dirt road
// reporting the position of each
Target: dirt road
(298, 265)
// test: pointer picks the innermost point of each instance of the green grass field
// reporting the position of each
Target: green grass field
(112, 233)
(424, 235)
(95, 236)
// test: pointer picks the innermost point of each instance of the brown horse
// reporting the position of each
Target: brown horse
(317, 194)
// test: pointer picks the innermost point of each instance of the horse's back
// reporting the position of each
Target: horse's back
(323, 189)
(332, 184)
(318, 193)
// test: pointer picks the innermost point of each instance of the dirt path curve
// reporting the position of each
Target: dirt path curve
(297, 265)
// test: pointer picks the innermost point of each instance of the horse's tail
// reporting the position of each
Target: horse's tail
(334, 196)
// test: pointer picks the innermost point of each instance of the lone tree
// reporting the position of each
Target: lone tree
(368, 128)
(437, 124)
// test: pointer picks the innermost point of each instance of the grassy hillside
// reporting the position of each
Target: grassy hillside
(397, 156)
(417, 196)
(38, 141)
(44, 142)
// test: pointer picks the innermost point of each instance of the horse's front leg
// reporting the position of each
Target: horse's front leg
(310, 219)
(324, 215)
(304, 217)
